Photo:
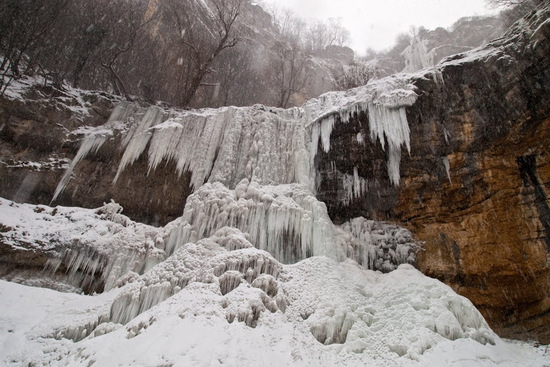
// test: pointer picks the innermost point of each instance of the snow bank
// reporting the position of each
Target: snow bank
(87, 249)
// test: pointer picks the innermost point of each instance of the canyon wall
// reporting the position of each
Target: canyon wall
(474, 186)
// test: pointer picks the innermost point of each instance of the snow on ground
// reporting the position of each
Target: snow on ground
(221, 301)
(397, 319)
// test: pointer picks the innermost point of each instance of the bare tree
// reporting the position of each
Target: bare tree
(318, 35)
(356, 74)
(512, 3)
(24, 25)
(339, 36)
(289, 71)
(124, 28)
(203, 35)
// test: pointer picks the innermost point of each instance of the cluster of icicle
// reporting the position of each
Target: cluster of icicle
(380, 245)
(291, 224)
(384, 102)
(129, 248)
(265, 145)
(285, 220)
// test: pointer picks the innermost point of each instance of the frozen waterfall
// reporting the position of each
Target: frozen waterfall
(252, 168)
(266, 145)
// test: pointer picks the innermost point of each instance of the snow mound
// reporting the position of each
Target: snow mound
(333, 314)
(204, 262)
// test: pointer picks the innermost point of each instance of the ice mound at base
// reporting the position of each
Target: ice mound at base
(221, 301)
(236, 310)
(291, 224)
(226, 259)
(96, 250)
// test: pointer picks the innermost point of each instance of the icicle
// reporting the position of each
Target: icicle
(327, 124)
(136, 141)
(354, 186)
(95, 140)
(447, 166)
(390, 126)
(91, 143)
(446, 135)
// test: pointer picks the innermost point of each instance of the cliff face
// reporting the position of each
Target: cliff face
(475, 186)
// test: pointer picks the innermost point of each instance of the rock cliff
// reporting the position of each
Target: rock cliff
(475, 186)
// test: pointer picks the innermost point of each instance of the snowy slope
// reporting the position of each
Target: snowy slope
(401, 319)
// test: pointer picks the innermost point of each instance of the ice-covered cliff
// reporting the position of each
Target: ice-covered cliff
(265, 221)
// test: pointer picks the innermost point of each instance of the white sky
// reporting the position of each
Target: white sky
(376, 23)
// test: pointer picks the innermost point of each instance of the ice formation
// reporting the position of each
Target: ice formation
(94, 138)
(354, 186)
(224, 145)
(93, 249)
(314, 313)
(384, 101)
(221, 291)
(285, 220)
(447, 165)
(417, 56)
(266, 145)
(381, 246)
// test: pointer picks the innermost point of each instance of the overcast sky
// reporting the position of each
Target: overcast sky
(375, 23)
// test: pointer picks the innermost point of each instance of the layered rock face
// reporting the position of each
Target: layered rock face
(475, 186)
